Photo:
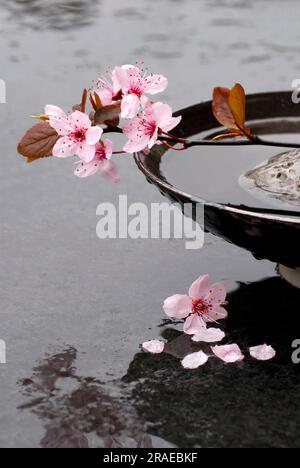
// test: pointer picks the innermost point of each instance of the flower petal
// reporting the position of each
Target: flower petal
(54, 111)
(174, 121)
(86, 169)
(209, 335)
(80, 120)
(136, 146)
(64, 148)
(194, 360)
(86, 152)
(216, 313)
(155, 84)
(200, 287)
(109, 171)
(178, 306)
(228, 353)
(153, 139)
(263, 352)
(106, 96)
(137, 140)
(193, 324)
(154, 346)
(130, 106)
(93, 135)
(146, 105)
(162, 114)
(120, 76)
(217, 294)
(62, 125)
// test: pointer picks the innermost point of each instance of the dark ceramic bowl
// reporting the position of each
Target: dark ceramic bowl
(271, 234)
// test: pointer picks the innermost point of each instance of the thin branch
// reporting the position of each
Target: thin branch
(255, 141)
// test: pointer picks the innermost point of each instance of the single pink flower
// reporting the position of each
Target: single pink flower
(101, 163)
(194, 360)
(263, 352)
(209, 335)
(109, 91)
(154, 346)
(142, 132)
(78, 137)
(202, 305)
(134, 83)
(228, 353)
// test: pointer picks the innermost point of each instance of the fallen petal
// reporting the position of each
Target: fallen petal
(177, 306)
(194, 360)
(209, 335)
(228, 353)
(263, 352)
(154, 346)
(193, 325)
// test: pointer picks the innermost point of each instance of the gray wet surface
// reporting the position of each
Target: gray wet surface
(74, 309)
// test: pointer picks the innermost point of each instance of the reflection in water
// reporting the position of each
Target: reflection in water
(253, 404)
(54, 14)
(77, 411)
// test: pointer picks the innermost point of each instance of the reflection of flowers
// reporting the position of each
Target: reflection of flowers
(72, 407)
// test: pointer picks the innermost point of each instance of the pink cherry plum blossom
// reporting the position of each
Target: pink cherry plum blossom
(263, 352)
(203, 304)
(101, 163)
(194, 360)
(109, 90)
(142, 132)
(134, 83)
(228, 353)
(78, 137)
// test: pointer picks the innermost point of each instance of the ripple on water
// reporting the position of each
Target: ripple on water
(42, 14)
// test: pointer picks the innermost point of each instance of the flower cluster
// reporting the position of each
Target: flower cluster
(204, 305)
(124, 95)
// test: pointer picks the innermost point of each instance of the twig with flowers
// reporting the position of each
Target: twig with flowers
(124, 97)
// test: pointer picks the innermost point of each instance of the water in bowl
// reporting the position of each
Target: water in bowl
(221, 174)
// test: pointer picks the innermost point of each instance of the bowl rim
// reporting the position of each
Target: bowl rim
(288, 217)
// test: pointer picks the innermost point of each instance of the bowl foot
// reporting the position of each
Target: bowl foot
(291, 275)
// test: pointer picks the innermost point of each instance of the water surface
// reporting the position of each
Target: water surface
(74, 309)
